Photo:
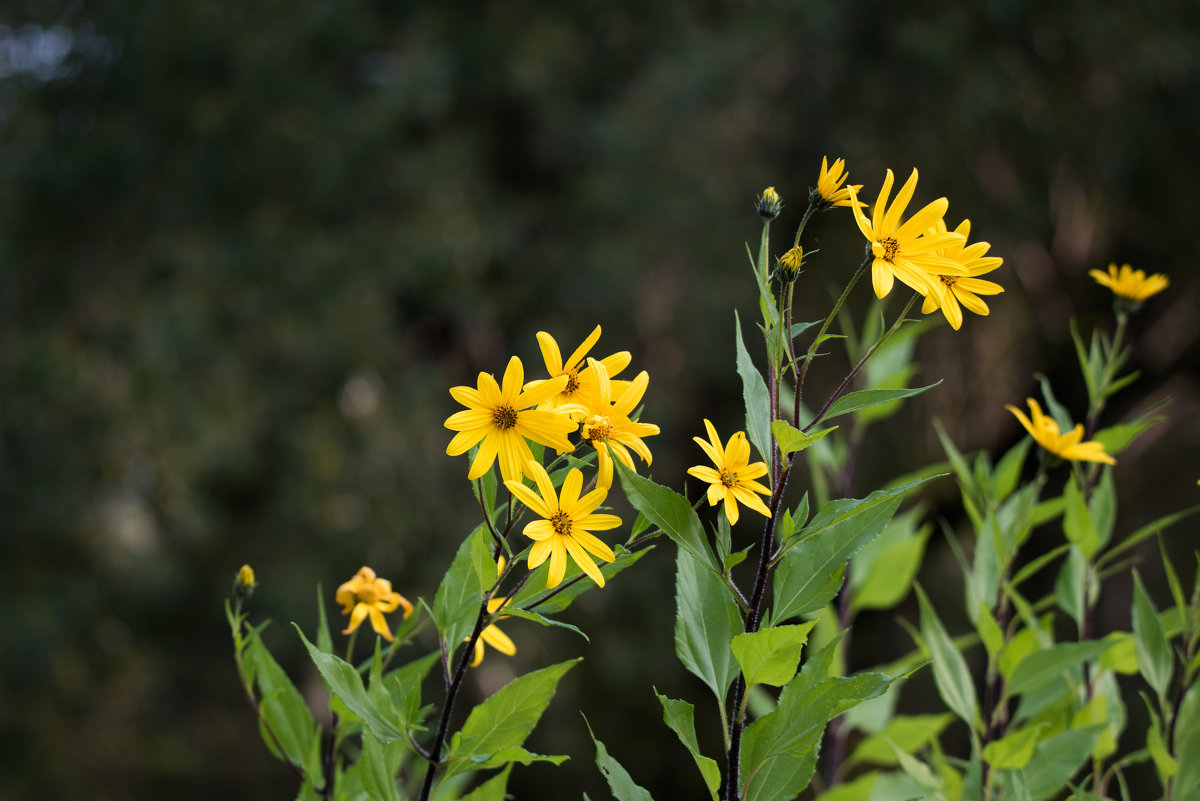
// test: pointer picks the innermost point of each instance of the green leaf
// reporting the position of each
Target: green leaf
(1047, 664)
(908, 732)
(771, 656)
(1077, 523)
(341, 679)
(1055, 760)
(380, 763)
(1153, 651)
(1013, 750)
(809, 573)
(754, 395)
(497, 727)
(1148, 530)
(1068, 586)
(623, 787)
(670, 511)
(864, 398)
(680, 716)
(989, 630)
(493, 789)
(1118, 437)
(890, 575)
(542, 620)
(792, 439)
(404, 686)
(950, 672)
(1008, 472)
(707, 617)
(284, 709)
(324, 640)
(460, 594)
(1166, 764)
(560, 597)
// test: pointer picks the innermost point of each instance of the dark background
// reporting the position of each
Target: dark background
(245, 248)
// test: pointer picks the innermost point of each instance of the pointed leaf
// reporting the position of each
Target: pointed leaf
(771, 656)
(755, 396)
(950, 672)
(707, 617)
(864, 398)
(680, 716)
(460, 594)
(670, 511)
(1153, 651)
(623, 787)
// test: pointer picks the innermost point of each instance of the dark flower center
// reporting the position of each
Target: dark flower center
(561, 522)
(505, 417)
(890, 248)
(729, 478)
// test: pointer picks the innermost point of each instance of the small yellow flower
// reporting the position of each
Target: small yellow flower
(244, 583)
(1130, 283)
(492, 635)
(904, 251)
(606, 423)
(245, 576)
(829, 183)
(947, 291)
(733, 478)
(1045, 432)
(568, 523)
(502, 418)
(579, 381)
(768, 204)
(367, 596)
(792, 258)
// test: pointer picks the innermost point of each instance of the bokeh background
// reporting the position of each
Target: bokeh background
(245, 248)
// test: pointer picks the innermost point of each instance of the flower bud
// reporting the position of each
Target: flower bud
(768, 204)
(792, 259)
(244, 583)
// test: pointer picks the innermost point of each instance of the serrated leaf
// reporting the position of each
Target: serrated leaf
(623, 787)
(458, 599)
(754, 395)
(493, 789)
(950, 672)
(670, 511)
(343, 680)
(497, 727)
(707, 617)
(771, 656)
(791, 439)
(284, 709)
(680, 716)
(865, 398)
(1154, 657)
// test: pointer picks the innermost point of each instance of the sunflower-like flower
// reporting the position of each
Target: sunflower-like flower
(568, 523)
(579, 380)
(500, 418)
(606, 423)
(492, 635)
(829, 183)
(948, 291)
(904, 251)
(1130, 283)
(367, 596)
(1045, 432)
(733, 478)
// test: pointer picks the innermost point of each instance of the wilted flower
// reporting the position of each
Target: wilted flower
(1045, 432)
(367, 596)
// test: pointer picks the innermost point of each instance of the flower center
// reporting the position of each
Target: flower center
(572, 384)
(597, 429)
(890, 248)
(561, 522)
(729, 478)
(505, 417)
(948, 280)
(369, 594)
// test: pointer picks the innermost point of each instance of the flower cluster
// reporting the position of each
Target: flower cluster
(923, 254)
(580, 395)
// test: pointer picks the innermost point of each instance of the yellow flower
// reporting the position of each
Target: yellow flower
(1045, 432)
(607, 422)
(829, 183)
(792, 258)
(501, 417)
(579, 381)
(904, 251)
(568, 523)
(948, 291)
(245, 576)
(492, 635)
(1130, 283)
(733, 478)
(367, 596)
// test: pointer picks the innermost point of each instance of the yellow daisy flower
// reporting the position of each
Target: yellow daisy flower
(948, 291)
(568, 523)
(829, 183)
(606, 423)
(1045, 432)
(500, 419)
(579, 380)
(367, 596)
(1130, 283)
(904, 251)
(492, 635)
(733, 478)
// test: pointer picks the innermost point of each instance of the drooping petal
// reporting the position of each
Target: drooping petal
(558, 562)
(539, 551)
(488, 448)
(356, 618)
(581, 558)
(594, 544)
(498, 640)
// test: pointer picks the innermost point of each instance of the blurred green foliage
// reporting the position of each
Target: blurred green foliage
(245, 248)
